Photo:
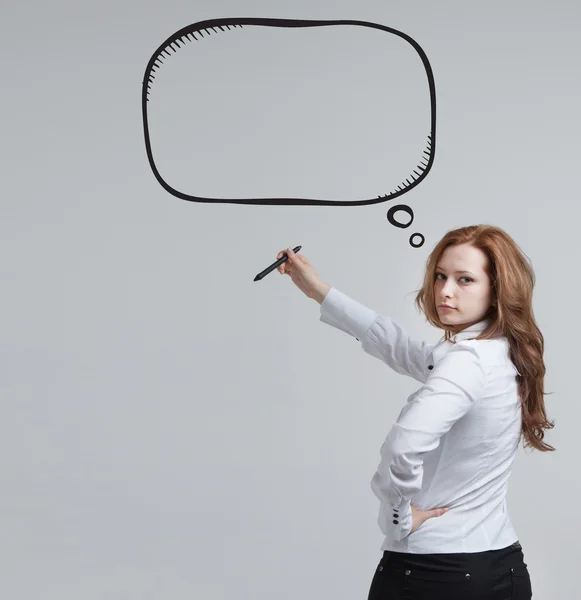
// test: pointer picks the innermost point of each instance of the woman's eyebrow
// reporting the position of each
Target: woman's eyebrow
(457, 271)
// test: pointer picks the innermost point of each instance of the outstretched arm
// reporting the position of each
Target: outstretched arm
(380, 335)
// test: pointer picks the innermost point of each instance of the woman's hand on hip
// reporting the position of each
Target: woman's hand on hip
(419, 516)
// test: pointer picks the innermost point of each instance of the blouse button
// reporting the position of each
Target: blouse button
(430, 367)
(408, 572)
(395, 522)
(467, 575)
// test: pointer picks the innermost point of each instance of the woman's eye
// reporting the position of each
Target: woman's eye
(465, 277)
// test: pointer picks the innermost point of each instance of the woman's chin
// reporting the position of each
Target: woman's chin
(448, 316)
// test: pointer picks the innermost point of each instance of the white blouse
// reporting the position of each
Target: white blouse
(453, 443)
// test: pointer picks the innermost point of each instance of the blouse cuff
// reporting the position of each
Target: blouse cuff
(353, 317)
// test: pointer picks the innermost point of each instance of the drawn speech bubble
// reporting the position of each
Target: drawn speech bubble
(290, 112)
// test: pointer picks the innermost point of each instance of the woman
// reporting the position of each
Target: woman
(445, 464)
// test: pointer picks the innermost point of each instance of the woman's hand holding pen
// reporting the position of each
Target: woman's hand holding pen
(303, 275)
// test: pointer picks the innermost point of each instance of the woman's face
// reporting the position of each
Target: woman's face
(462, 283)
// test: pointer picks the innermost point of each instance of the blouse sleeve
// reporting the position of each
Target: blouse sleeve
(380, 335)
(450, 391)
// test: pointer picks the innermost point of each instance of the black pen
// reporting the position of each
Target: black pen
(273, 266)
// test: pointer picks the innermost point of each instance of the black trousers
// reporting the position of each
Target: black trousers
(491, 575)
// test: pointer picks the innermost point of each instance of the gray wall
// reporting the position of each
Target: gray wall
(171, 429)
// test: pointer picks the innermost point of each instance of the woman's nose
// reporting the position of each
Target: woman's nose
(448, 288)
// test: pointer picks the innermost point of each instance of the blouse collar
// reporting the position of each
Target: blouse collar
(471, 332)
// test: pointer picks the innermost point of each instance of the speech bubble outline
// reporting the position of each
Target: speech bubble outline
(188, 34)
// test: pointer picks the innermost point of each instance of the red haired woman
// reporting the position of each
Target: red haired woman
(452, 448)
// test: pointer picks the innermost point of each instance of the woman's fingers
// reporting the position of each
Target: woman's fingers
(288, 264)
(281, 268)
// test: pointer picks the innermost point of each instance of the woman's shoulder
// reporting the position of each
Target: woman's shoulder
(494, 352)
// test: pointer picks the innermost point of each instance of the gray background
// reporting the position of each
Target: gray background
(171, 429)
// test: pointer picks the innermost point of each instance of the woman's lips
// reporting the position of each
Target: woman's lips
(446, 308)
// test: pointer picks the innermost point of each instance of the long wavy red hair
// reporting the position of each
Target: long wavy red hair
(513, 280)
